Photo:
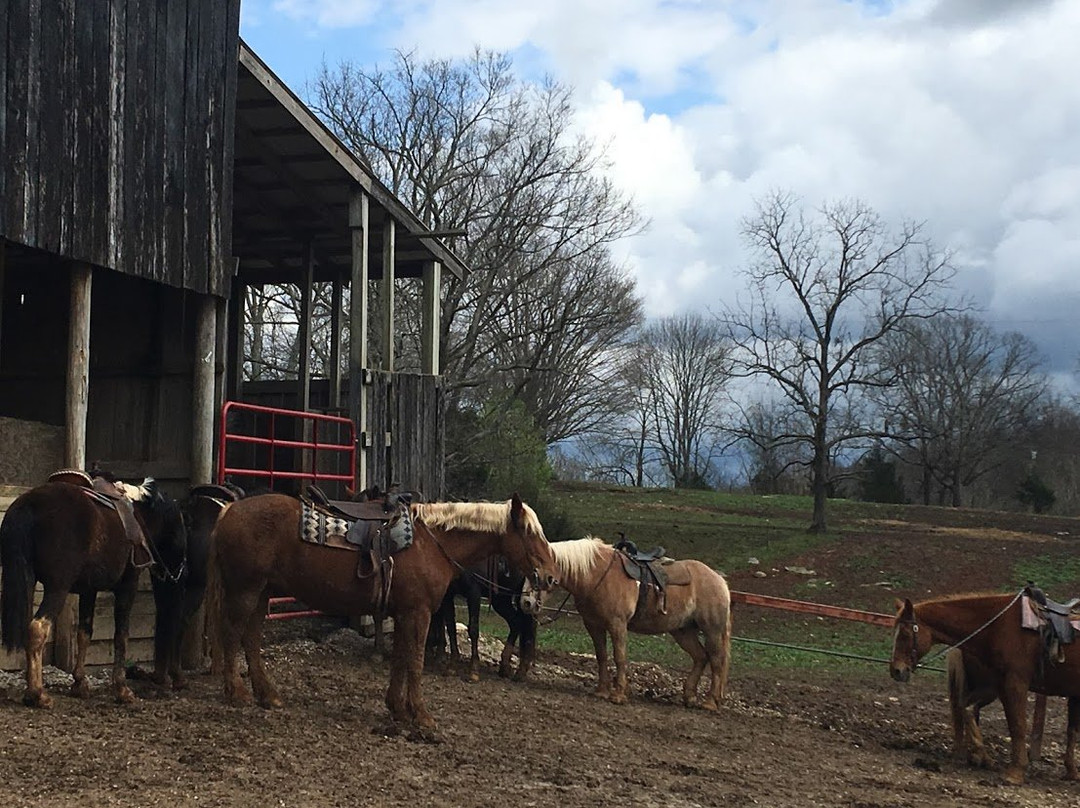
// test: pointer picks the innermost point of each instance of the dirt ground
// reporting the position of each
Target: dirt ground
(850, 741)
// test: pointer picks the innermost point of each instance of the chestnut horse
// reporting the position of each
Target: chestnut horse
(256, 550)
(57, 535)
(973, 685)
(988, 628)
(607, 601)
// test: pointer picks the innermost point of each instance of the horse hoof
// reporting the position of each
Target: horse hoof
(473, 677)
(618, 698)
(710, 705)
(40, 700)
(80, 689)
(272, 703)
(421, 734)
(179, 684)
(125, 696)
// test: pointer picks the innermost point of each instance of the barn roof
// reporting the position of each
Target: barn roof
(292, 182)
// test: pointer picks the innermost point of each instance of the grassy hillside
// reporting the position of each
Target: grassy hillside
(872, 555)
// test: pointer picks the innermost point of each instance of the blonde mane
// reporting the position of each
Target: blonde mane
(479, 517)
(577, 556)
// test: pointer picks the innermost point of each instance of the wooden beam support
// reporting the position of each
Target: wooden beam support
(202, 391)
(387, 297)
(335, 343)
(431, 319)
(78, 367)
(234, 373)
(359, 209)
(303, 373)
(3, 261)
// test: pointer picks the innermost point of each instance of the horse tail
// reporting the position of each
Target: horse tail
(725, 641)
(17, 582)
(214, 600)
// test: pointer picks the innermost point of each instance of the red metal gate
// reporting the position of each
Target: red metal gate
(270, 451)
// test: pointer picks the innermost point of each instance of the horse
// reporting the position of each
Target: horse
(502, 586)
(972, 685)
(988, 628)
(58, 535)
(256, 549)
(178, 596)
(697, 602)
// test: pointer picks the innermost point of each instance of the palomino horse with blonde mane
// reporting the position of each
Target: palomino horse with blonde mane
(696, 602)
(988, 628)
(257, 551)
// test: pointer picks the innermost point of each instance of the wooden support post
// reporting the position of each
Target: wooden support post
(358, 322)
(3, 260)
(77, 395)
(307, 283)
(431, 319)
(387, 296)
(335, 343)
(235, 370)
(202, 392)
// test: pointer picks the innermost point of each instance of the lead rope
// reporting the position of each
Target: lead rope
(939, 654)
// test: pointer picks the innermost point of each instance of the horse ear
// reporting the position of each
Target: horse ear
(517, 510)
(907, 608)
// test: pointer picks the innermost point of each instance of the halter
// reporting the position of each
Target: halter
(159, 569)
(915, 633)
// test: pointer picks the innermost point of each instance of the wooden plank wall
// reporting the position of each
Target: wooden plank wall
(116, 133)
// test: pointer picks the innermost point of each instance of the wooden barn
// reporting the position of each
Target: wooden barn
(153, 169)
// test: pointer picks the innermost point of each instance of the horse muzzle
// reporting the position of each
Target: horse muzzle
(900, 674)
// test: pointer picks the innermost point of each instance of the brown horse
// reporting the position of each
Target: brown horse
(607, 601)
(972, 685)
(58, 535)
(257, 550)
(988, 628)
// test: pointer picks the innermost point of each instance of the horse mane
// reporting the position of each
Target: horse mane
(957, 596)
(577, 556)
(481, 517)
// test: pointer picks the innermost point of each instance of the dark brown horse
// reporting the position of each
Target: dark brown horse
(696, 610)
(58, 535)
(988, 628)
(257, 551)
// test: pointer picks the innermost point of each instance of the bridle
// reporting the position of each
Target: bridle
(159, 569)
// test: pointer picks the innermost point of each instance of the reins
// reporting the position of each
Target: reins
(600, 580)
(944, 651)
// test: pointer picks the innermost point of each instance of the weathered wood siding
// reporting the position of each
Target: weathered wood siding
(408, 406)
(116, 124)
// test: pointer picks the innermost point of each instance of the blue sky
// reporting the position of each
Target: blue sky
(963, 114)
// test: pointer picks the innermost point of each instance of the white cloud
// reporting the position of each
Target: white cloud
(962, 113)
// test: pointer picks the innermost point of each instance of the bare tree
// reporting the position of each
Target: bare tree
(825, 288)
(685, 364)
(470, 147)
(962, 394)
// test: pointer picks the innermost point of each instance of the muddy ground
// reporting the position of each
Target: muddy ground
(854, 739)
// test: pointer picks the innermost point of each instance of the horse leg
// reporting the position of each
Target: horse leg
(1038, 722)
(123, 600)
(80, 687)
(603, 674)
(527, 633)
(1070, 738)
(687, 638)
(506, 659)
(472, 598)
(266, 694)
(404, 698)
(1014, 701)
(51, 604)
(236, 612)
(620, 694)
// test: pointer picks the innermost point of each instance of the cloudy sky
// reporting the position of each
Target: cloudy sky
(964, 114)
